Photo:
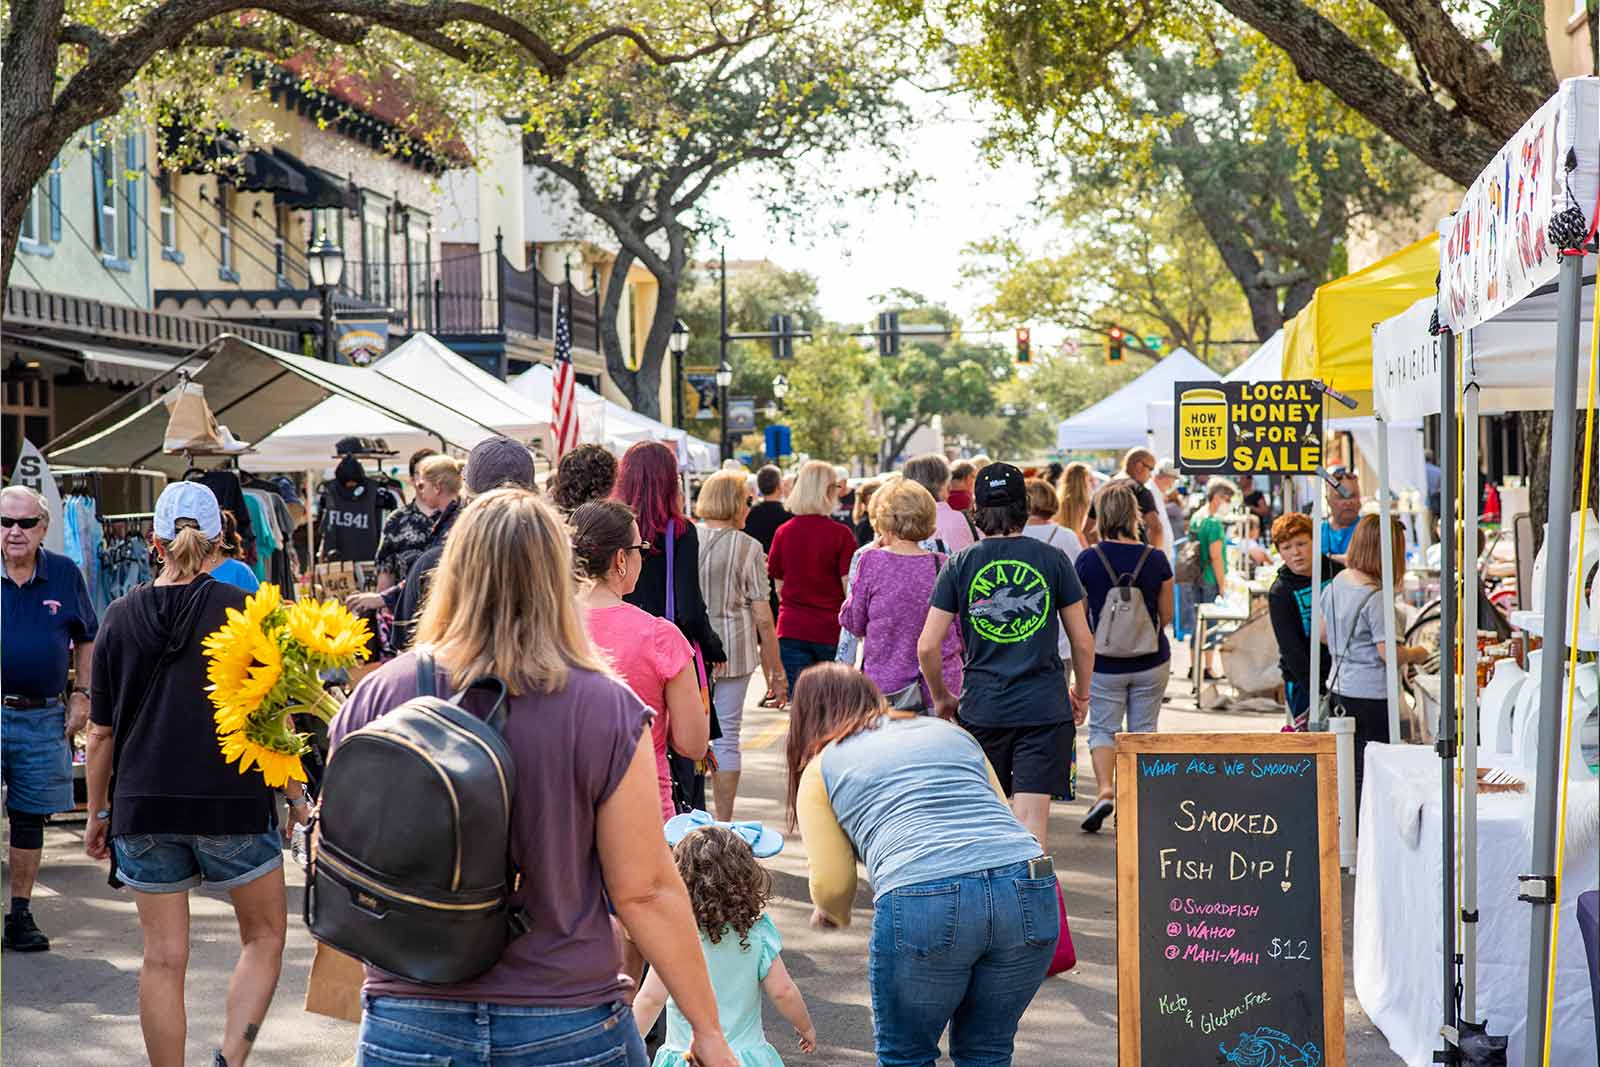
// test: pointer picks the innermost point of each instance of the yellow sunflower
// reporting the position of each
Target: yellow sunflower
(276, 767)
(328, 628)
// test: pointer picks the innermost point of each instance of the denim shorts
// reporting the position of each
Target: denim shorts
(36, 760)
(174, 863)
(421, 1032)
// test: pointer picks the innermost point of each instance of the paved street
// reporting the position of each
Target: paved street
(78, 1003)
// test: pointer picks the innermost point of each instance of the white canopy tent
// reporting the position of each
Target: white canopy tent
(1114, 424)
(422, 367)
(1264, 365)
(602, 421)
(1516, 313)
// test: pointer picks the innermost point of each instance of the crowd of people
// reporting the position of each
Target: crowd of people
(938, 636)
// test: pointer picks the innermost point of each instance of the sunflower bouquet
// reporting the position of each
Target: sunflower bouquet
(264, 667)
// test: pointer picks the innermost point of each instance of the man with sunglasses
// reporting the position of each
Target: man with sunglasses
(48, 620)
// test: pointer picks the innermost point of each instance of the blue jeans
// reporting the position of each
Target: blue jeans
(36, 759)
(968, 952)
(797, 655)
(176, 863)
(417, 1032)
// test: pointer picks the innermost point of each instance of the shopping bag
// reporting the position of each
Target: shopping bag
(334, 988)
(190, 425)
(1066, 957)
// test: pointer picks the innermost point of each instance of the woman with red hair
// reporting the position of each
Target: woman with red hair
(647, 481)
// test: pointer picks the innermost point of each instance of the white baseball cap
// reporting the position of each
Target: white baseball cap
(187, 500)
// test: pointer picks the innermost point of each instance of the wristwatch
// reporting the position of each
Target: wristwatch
(78, 689)
(301, 801)
(103, 815)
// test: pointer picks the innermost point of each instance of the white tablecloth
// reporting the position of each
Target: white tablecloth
(1398, 945)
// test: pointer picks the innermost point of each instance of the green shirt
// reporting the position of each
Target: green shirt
(1208, 530)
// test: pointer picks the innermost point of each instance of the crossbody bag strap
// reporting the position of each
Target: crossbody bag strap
(672, 597)
(1338, 660)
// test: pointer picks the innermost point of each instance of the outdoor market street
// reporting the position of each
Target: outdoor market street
(81, 998)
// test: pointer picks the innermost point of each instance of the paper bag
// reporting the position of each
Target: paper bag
(334, 988)
(190, 425)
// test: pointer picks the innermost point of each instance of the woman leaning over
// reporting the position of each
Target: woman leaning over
(733, 575)
(890, 591)
(181, 816)
(964, 905)
(1122, 688)
(586, 787)
(809, 560)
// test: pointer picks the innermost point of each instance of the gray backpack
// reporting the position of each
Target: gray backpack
(1124, 628)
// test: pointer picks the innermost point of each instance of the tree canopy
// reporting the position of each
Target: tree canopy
(69, 63)
(641, 146)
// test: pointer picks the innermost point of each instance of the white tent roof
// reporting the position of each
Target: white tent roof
(1511, 358)
(256, 391)
(1115, 423)
(465, 404)
(605, 422)
(1264, 365)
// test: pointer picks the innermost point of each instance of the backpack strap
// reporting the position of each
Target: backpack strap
(427, 674)
(1133, 579)
(1105, 561)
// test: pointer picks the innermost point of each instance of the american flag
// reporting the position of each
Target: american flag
(564, 399)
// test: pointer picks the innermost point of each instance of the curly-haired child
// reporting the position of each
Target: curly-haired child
(729, 890)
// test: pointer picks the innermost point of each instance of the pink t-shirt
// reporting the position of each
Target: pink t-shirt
(647, 652)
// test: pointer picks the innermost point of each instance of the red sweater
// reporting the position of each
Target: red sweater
(811, 555)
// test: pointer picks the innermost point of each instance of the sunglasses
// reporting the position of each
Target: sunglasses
(642, 547)
(27, 524)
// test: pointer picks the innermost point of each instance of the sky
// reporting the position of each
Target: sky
(915, 244)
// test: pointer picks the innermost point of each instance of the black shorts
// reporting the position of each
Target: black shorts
(1029, 759)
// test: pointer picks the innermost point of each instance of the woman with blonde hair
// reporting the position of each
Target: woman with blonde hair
(861, 514)
(733, 574)
(809, 561)
(1043, 507)
(585, 786)
(1077, 492)
(180, 815)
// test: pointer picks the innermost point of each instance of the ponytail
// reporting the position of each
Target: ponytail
(188, 552)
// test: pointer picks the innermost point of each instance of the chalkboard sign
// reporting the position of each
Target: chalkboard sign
(1229, 939)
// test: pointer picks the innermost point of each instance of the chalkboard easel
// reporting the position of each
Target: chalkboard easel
(1230, 943)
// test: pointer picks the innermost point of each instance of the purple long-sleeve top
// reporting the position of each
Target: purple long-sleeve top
(887, 605)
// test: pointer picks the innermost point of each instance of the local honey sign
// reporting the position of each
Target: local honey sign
(1248, 427)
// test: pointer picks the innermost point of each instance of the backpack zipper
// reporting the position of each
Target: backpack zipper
(349, 874)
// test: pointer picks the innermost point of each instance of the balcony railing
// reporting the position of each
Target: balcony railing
(471, 295)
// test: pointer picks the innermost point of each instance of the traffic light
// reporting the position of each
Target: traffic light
(783, 336)
(1024, 345)
(1114, 339)
(1154, 342)
(888, 333)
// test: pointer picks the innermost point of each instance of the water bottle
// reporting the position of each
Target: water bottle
(298, 846)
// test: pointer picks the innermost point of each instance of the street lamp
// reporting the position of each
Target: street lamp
(678, 344)
(724, 379)
(325, 265)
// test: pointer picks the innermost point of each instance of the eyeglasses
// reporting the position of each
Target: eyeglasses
(27, 524)
(642, 547)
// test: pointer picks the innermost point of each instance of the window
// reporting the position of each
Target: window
(280, 259)
(31, 228)
(374, 248)
(225, 269)
(108, 229)
(168, 209)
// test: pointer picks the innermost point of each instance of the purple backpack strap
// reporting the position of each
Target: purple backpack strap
(672, 613)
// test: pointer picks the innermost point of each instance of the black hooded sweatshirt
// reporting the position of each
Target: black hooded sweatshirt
(169, 776)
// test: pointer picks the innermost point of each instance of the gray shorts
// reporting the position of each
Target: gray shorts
(1135, 697)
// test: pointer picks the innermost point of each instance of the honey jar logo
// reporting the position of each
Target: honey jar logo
(1203, 428)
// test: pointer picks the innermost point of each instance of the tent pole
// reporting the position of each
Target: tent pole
(1386, 541)
(1541, 890)
(1313, 710)
(1469, 698)
(1446, 745)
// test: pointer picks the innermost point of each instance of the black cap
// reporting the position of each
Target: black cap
(497, 461)
(1000, 484)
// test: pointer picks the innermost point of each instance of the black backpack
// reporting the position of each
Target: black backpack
(410, 866)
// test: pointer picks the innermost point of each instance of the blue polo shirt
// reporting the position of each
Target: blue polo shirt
(43, 618)
(1335, 541)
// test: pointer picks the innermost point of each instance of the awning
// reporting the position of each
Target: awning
(264, 172)
(116, 367)
(1331, 339)
(321, 189)
(253, 391)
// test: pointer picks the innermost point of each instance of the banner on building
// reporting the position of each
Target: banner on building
(360, 341)
(703, 404)
(1248, 427)
(741, 414)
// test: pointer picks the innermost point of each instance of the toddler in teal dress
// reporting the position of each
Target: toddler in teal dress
(729, 891)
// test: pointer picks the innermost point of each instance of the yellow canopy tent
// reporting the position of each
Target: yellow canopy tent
(1331, 338)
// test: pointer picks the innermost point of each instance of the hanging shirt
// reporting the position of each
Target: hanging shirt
(350, 518)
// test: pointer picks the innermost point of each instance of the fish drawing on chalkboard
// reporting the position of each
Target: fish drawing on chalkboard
(1266, 1047)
